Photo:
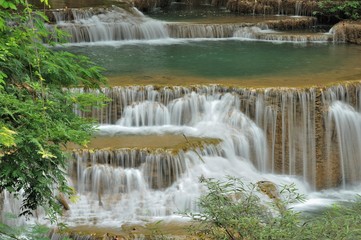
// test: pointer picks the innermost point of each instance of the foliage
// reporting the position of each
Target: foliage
(339, 9)
(28, 232)
(36, 116)
(232, 209)
(36, 232)
(337, 222)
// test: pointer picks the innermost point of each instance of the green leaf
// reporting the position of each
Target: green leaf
(46, 154)
(4, 3)
(7, 137)
(12, 6)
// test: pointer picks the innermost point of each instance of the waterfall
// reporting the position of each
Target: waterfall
(128, 170)
(298, 8)
(251, 32)
(134, 184)
(145, 114)
(116, 24)
(337, 34)
(344, 107)
(179, 30)
(305, 136)
(347, 124)
(113, 24)
(308, 136)
(265, 34)
(291, 121)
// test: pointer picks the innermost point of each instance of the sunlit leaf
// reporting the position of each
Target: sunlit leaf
(7, 137)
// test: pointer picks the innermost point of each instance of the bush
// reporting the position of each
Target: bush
(232, 209)
(339, 9)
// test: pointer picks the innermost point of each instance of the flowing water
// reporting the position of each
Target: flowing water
(308, 136)
(270, 134)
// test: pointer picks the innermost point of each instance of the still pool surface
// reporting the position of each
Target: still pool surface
(225, 62)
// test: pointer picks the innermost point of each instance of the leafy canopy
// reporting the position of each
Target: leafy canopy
(36, 113)
(343, 9)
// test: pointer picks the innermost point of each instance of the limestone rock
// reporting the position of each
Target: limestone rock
(347, 31)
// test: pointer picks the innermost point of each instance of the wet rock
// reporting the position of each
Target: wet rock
(347, 31)
(272, 7)
(269, 188)
(292, 23)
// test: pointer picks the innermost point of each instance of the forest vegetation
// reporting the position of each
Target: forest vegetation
(36, 113)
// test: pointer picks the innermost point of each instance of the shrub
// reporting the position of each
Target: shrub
(232, 210)
(339, 9)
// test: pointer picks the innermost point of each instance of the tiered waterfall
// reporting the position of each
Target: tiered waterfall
(307, 136)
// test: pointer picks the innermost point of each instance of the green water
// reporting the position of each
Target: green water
(226, 59)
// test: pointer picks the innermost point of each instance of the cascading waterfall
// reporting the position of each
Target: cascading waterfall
(132, 184)
(307, 136)
(270, 134)
(116, 24)
(265, 34)
(111, 25)
(178, 30)
(279, 135)
(145, 114)
(343, 118)
(348, 130)
(127, 170)
(292, 120)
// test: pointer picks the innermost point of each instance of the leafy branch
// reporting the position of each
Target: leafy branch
(36, 113)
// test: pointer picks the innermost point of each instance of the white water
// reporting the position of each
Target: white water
(111, 25)
(348, 128)
(243, 147)
(118, 191)
(245, 121)
(117, 25)
(264, 34)
(116, 187)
